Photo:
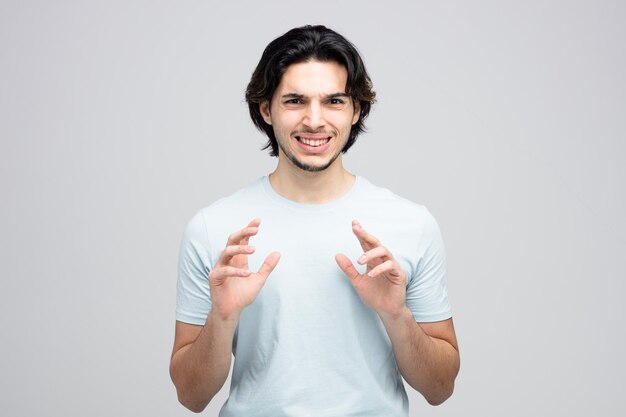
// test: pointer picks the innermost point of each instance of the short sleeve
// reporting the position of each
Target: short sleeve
(427, 292)
(193, 297)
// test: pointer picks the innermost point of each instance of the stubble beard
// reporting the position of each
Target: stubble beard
(307, 167)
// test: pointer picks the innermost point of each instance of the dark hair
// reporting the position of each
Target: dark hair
(300, 45)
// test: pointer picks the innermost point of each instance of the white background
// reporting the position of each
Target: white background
(120, 119)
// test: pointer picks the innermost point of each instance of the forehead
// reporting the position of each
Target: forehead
(313, 78)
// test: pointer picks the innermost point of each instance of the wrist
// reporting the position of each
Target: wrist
(395, 317)
(226, 317)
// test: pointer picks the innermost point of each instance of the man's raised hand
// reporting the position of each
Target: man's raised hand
(233, 285)
(383, 286)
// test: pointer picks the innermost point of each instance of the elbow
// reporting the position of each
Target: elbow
(439, 397)
(443, 387)
(187, 396)
(193, 406)
(435, 401)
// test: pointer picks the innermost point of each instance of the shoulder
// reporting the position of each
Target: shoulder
(236, 207)
(227, 214)
(393, 206)
(240, 198)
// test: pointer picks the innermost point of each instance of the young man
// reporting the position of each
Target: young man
(268, 273)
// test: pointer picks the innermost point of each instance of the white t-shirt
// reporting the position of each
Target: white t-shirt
(308, 346)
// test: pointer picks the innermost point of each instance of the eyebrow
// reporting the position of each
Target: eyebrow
(336, 95)
(299, 96)
(292, 95)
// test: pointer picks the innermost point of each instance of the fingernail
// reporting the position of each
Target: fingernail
(249, 249)
(362, 259)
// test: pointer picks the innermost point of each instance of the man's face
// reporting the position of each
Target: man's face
(311, 114)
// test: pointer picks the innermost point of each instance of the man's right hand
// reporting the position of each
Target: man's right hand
(233, 285)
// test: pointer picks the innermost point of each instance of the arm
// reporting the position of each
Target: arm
(426, 353)
(201, 360)
(201, 356)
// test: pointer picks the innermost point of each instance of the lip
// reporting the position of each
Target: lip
(313, 150)
(313, 136)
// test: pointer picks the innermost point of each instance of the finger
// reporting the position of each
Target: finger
(221, 274)
(254, 223)
(366, 240)
(232, 251)
(389, 267)
(269, 264)
(373, 254)
(241, 237)
(346, 266)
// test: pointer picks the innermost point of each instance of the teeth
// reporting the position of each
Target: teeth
(313, 142)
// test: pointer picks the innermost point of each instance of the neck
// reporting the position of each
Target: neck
(307, 187)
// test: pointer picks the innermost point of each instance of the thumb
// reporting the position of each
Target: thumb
(346, 266)
(269, 264)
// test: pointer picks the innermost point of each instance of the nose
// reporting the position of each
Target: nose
(314, 115)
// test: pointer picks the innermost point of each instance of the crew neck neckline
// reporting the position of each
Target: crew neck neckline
(271, 192)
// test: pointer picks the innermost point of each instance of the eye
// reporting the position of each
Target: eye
(293, 101)
(336, 101)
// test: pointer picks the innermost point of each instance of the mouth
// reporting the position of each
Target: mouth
(313, 140)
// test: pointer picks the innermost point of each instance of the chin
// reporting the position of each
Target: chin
(317, 167)
(312, 168)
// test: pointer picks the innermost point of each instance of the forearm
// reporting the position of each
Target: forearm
(428, 364)
(200, 369)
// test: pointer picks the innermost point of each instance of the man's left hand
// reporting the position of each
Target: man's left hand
(383, 286)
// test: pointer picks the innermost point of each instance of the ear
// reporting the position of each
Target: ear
(357, 113)
(264, 108)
